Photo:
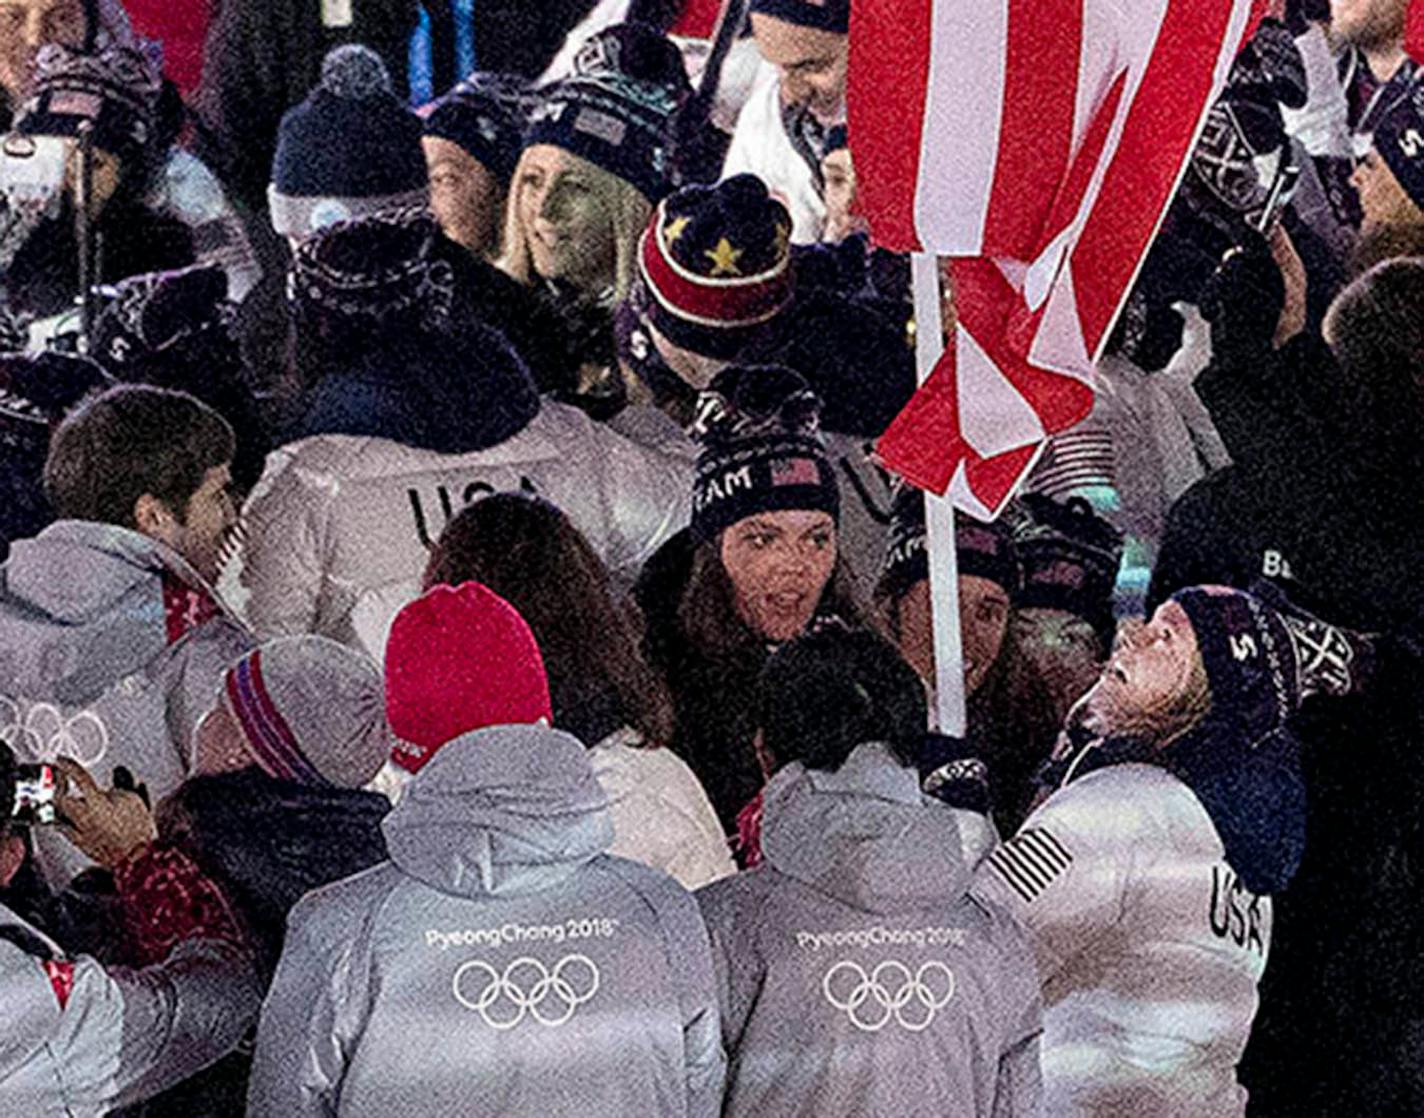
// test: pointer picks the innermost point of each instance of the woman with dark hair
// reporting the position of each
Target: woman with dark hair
(759, 564)
(1011, 719)
(855, 973)
(602, 692)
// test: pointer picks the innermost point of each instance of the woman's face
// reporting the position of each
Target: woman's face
(779, 564)
(464, 196)
(1149, 668)
(565, 209)
(983, 623)
(1063, 651)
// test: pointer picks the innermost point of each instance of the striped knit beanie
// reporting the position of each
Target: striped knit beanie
(715, 262)
(312, 711)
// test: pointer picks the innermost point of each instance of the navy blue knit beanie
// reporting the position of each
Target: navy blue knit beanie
(617, 108)
(114, 90)
(350, 149)
(761, 450)
(716, 264)
(484, 115)
(824, 15)
(981, 550)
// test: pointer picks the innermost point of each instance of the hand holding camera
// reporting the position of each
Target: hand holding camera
(109, 826)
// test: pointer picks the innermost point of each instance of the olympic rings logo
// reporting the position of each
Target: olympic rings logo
(527, 987)
(43, 733)
(890, 992)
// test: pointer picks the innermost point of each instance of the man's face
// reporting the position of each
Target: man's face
(1368, 23)
(25, 26)
(1383, 202)
(207, 521)
(812, 64)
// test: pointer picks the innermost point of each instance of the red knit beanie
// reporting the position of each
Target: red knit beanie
(459, 659)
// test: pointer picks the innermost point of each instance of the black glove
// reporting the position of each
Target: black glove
(1243, 300)
(951, 770)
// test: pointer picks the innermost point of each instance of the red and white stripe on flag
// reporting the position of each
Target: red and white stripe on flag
(1038, 143)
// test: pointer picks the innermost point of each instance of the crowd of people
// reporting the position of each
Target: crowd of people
(459, 654)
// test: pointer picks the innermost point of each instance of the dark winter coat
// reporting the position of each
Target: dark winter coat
(43, 279)
(268, 842)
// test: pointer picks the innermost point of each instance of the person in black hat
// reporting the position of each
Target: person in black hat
(719, 283)
(765, 564)
(408, 416)
(1147, 878)
(349, 150)
(471, 143)
(1009, 716)
(1064, 625)
(175, 330)
(1390, 183)
(595, 159)
(114, 92)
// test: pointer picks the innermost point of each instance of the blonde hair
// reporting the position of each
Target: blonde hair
(1163, 722)
(631, 212)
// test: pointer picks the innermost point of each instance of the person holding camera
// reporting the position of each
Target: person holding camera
(80, 1038)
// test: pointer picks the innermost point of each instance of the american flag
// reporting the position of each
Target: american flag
(1037, 143)
(795, 471)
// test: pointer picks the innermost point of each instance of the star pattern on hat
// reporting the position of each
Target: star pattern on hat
(724, 258)
(783, 239)
(675, 229)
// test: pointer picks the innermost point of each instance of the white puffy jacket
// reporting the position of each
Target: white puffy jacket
(339, 528)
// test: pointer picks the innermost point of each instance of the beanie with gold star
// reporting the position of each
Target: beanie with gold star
(715, 265)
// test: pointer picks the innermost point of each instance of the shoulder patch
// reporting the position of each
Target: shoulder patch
(1030, 862)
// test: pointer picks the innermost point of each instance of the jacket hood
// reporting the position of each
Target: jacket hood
(92, 596)
(450, 395)
(864, 834)
(502, 811)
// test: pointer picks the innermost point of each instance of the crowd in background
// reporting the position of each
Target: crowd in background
(458, 652)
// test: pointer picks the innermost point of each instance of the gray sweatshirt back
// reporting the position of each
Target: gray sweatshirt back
(499, 964)
(855, 974)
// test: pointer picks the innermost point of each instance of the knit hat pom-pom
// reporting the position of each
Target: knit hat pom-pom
(355, 72)
(751, 400)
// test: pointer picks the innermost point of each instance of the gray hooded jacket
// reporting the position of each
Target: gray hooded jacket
(79, 1040)
(500, 964)
(855, 975)
(98, 663)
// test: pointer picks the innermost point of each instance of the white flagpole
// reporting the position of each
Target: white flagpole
(939, 518)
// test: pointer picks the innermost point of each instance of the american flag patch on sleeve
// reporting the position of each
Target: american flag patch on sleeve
(1030, 862)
